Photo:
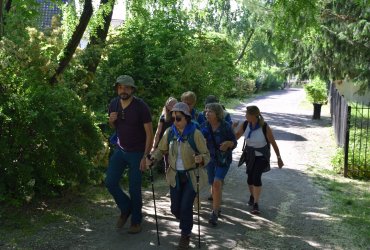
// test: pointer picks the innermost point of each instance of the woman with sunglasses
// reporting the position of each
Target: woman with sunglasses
(220, 142)
(165, 121)
(258, 137)
(185, 163)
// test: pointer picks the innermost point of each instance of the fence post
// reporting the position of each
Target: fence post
(346, 141)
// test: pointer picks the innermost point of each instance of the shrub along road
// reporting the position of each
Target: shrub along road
(295, 213)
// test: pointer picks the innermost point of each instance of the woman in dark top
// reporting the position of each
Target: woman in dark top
(220, 142)
(165, 121)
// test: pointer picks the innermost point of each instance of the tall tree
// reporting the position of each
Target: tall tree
(7, 7)
(1, 19)
(98, 38)
(72, 44)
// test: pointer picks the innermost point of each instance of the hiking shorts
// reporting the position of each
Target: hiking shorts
(216, 173)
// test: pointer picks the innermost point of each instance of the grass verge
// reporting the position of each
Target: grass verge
(350, 202)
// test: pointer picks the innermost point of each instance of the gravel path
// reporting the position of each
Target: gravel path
(295, 213)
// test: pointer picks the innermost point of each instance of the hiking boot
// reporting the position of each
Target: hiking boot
(251, 200)
(213, 219)
(122, 219)
(255, 209)
(134, 229)
(184, 242)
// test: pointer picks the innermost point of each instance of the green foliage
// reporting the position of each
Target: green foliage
(316, 91)
(23, 13)
(49, 140)
(338, 161)
(163, 53)
(270, 78)
(325, 38)
(69, 21)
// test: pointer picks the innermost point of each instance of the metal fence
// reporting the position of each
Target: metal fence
(351, 127)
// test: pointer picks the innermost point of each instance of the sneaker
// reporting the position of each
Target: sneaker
(255, 209)
(134, 229)
(251, 200)
(183, 243)
(213, 219)
(122, 219)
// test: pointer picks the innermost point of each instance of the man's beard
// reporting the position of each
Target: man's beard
(125, 96)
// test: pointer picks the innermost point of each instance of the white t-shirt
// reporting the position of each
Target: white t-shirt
(179, 162)
(256, 140)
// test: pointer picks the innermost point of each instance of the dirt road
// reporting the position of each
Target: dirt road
(295, 213)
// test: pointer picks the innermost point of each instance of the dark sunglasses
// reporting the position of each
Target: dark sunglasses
(122, 114)
(177, 118)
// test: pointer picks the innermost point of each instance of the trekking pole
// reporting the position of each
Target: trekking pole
(155, 208)
(197, 166)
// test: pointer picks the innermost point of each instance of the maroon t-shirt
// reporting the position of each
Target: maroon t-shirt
(130, 128)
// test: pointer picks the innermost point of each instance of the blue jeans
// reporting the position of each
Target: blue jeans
(182, 198)
(119, 161)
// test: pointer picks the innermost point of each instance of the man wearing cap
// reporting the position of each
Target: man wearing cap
(131, 118)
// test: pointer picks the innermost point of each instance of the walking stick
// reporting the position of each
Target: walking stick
(197, 166)
(155, 208)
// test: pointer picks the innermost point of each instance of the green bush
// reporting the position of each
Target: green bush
(270, 78)
(162, 53)
(49, 140)
(316, 91)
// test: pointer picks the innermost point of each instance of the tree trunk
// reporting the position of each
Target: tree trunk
(8, 5)
(98, 40)
(245, 47)
(1, 19)
(316, 111)
(70, 49)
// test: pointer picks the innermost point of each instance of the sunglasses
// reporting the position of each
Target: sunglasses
(122, 114)
(177, 118)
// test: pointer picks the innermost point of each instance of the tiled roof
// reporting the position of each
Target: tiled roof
(48, 10)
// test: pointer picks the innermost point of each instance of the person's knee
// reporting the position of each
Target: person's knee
(217, 184)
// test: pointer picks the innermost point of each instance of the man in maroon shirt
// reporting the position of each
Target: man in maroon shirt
(131, 118)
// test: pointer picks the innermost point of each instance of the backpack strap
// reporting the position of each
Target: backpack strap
(264, 130)
(189, 138)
